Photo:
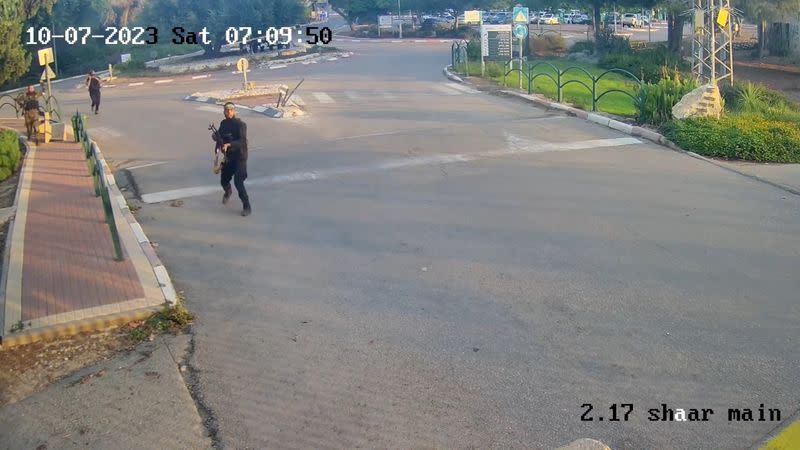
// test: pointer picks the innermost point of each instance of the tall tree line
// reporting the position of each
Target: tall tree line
(216, 15)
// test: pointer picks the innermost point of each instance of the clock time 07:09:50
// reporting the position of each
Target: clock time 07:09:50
(180, 35)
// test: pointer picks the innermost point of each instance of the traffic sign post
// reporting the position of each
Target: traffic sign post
(241, 65)
(521, 17)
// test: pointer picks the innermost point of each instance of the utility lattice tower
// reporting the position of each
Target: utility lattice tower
(712, 41)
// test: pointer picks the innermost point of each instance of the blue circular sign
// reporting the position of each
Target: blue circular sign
(521, 31)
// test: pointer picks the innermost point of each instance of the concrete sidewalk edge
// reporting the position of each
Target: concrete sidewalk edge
(629, 129)
(15, 239)
(78, 326)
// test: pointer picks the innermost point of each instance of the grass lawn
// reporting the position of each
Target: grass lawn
(574, 93)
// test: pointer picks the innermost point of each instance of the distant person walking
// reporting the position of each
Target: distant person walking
(30, 104)
(93, 81)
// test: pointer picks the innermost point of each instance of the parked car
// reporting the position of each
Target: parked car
(631, 21)
(583, 19)
(549, 19)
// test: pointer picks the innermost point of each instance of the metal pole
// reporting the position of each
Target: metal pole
(520, 63)
(710, 21)
(55, 54)
(730, 44)
(399, 19)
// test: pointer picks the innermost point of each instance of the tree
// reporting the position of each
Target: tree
(676, 20)
(217, 16)
(14, 59)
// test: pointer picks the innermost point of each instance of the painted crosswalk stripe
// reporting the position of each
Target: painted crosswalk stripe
(389, 96)
(323, 97)
(163, 81)
(136, 84)
(462, 88)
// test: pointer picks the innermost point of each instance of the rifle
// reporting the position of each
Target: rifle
(219, 156)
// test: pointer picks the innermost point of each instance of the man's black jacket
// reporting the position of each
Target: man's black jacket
(234, 131)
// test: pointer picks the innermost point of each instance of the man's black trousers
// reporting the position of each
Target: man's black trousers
(94, 94)
(238, 171)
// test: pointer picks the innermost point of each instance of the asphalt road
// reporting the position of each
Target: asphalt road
(432, 267)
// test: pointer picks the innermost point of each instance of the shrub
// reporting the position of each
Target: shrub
(548, 44)
(494, 69)
(608, 42)
(655, 101)
(474, 49)
(650, 65)
(587, 47)
(746, 137)
(9, 153)
(130, 67)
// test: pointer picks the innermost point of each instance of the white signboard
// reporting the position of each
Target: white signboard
(496, 42)
(385, 21)
(125, 57)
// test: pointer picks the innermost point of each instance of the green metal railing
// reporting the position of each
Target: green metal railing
(9, 100)
(98, 174)
(556, 75)
(459, 58)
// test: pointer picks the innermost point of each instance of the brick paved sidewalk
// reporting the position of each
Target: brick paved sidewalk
(61, 269)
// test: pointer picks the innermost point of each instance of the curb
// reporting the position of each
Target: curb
(632, 130)
(79, 326)
(9, 234)
(119, 202)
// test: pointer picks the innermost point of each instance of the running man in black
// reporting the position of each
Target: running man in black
(93, 81)
(233, 133)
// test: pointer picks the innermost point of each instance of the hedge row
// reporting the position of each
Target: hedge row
(746, 137)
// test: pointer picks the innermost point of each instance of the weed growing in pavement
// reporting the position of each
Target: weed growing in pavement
(169, 320)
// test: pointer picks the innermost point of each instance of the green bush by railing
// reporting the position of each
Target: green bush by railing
(100, 183)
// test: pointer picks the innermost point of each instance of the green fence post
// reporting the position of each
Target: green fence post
(559, 93)
(112, 224)
(530, 81)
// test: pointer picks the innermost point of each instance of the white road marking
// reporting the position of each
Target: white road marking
(515, 145)
(389, 95)
(323, 97)
(352, 95)
(141, 166)
(164, 81)
(197, 77)
(278, 66)
(104, 131)
(359, 136)
(209, 108)
(445, 90)
(136, 84)
(463, 88)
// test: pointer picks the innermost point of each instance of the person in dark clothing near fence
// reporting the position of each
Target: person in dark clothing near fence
(31, 107)
(233, 133)
(93, 81)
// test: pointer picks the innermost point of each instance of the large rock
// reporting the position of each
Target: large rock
(704, 101)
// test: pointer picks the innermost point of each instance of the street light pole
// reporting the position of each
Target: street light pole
(399, 19)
